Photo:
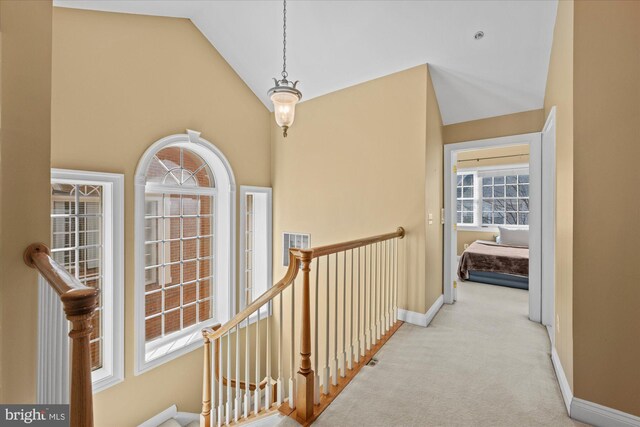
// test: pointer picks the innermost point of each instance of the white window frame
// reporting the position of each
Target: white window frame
(157, 352)
(268, 233)
(112, 370)
(475, 223)
(477, 213)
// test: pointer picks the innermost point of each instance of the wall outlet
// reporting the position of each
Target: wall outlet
(466, 245)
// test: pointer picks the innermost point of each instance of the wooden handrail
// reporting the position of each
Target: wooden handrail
(79, 302)
(353, 244)
(270, 294)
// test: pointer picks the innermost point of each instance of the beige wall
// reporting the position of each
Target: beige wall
(493, 127)
(606, 295)
(355, 165)
(121, 82)
(25, 28)
(434, 197)
(559, 92)
(499, 156)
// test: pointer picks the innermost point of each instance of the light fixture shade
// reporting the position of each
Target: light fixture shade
(284, 100)
(284, 108)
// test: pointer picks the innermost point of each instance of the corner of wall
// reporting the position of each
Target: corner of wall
(434, 196)
(559, 93)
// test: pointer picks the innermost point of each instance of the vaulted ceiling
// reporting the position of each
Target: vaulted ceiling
(334, 44)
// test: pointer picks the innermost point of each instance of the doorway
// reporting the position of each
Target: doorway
(537, 213)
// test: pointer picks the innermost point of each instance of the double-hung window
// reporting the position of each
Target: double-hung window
(86, 239)
(491, 197)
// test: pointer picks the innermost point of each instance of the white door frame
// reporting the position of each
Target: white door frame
(549, 222)
(535, 215)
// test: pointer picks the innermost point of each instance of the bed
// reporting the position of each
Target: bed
(496, 264)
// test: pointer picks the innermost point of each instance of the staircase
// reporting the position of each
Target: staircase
(297, 346)
(80, 303)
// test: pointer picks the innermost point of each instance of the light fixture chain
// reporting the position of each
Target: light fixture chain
(284, 41)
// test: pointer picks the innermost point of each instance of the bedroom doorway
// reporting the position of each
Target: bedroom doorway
(494, 216)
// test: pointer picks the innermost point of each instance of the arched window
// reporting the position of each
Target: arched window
(184, 247)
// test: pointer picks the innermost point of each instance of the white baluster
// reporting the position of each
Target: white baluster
(256, 394)
(334, 362)
(238, 402)
(371, 302)
(316, 368)
(376, 301)
(279, 391)
(214, 406)
(351, 307)
(292, 384)
(267, 393)
(247, 364)
(358, 329)
(342, 359)
(229, 401)
(395, 303)
(325, 377)
(389, 322)
(220, 395)
(383, 303)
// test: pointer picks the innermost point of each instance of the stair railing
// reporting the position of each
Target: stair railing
(358, 302)
(79, 303)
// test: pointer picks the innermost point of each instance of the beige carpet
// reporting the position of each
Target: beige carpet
(481, 362)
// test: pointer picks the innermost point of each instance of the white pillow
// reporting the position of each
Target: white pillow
(515, 237)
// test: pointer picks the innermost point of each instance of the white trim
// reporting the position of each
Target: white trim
(565, 389)
(112, 371)
(450, 243)
(496, 167)
(244, 190)
(601, 416)
(224, 241)
(588, 412)
(548, 222)
(420, 319)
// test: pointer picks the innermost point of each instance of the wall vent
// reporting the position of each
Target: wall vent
(293, 240)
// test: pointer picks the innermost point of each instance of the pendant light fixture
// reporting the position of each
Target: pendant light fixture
(284, 94)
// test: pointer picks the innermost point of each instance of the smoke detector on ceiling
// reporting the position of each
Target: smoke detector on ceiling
(479, 35)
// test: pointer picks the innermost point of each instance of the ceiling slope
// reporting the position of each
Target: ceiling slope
(337, 44)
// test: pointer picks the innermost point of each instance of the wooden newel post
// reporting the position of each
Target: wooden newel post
(79, 306)
(304, 404)
(205, 416)
(79, 302)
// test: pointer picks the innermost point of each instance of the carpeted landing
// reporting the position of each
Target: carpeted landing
(481, 362)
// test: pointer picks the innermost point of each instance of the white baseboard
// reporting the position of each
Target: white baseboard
(589, 412)
(567, 394)
(601, 416)
(420, 319)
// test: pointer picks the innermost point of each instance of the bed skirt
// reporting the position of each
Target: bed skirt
(499, 279)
